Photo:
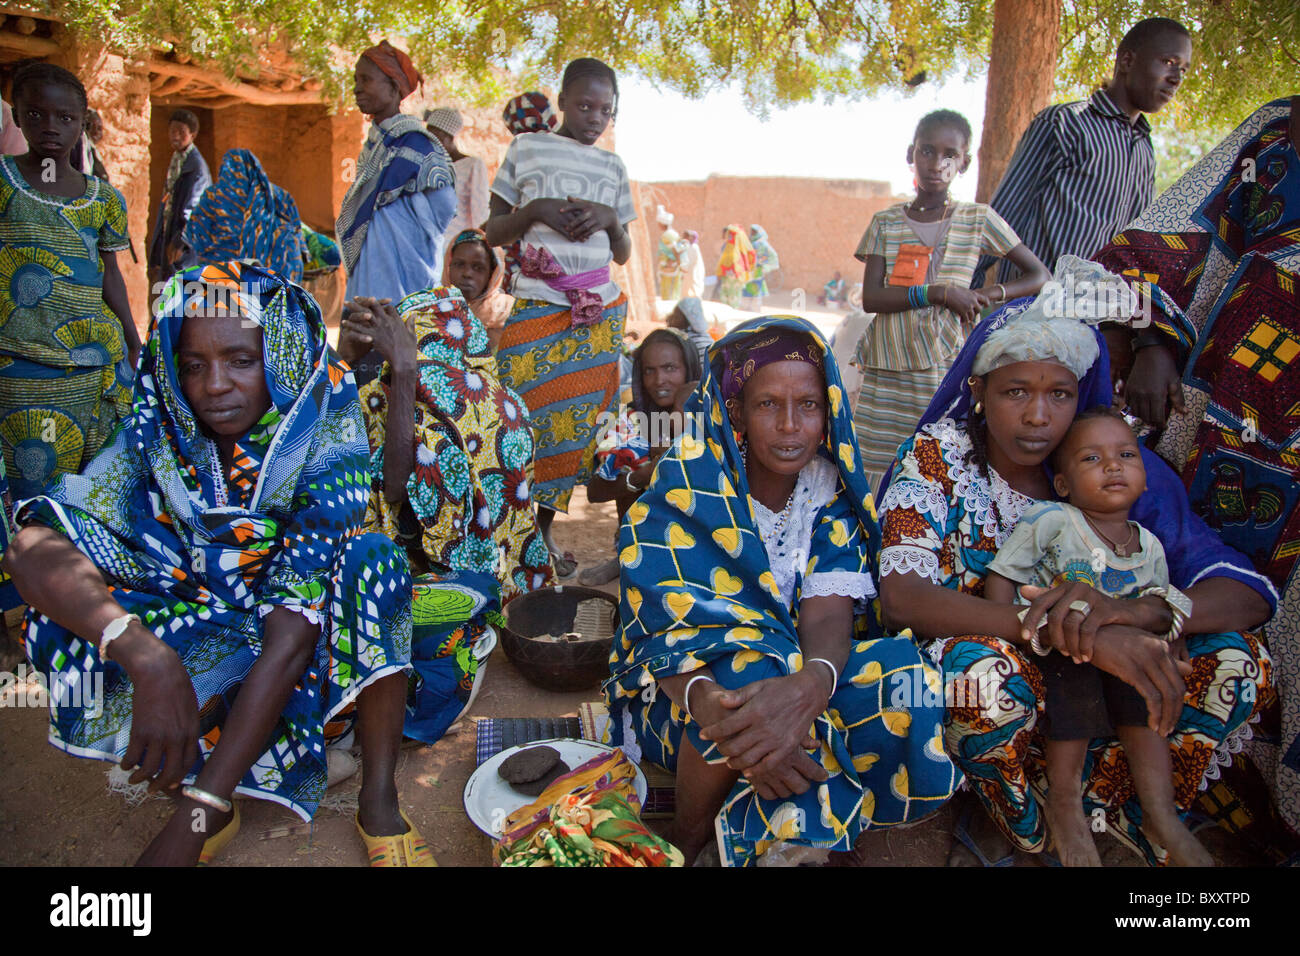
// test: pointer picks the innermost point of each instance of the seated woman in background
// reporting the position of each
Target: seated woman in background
(665, 370)
(474, 268)
(451, 460)
(688, 318)
(747, 592)
(958, 489)
(213, 550)
(243, 215)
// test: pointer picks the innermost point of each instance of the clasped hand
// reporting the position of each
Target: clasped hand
(1109, 638)
(577, 219)
(764, 729)
(374, 323)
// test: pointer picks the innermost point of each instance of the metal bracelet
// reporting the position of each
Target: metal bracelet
(686, 697)
(207, 799)
(835, 674)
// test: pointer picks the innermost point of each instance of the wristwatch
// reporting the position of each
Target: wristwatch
(1180, 609)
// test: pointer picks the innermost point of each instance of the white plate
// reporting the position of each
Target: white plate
(489, 799)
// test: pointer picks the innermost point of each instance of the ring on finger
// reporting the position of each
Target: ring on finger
(1083, 607)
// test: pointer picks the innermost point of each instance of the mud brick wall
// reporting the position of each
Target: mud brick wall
(119, 90)
(814, 224)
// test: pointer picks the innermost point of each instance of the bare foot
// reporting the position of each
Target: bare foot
(1172, 834)
(181, 840)
(1068, 828)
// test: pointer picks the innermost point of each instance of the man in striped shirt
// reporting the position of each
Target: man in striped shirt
(1085, 170)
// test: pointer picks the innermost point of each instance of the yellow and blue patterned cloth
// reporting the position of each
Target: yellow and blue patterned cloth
(199, 566)
(698, 589)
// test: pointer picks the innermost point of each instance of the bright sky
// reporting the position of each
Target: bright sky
(663, 136)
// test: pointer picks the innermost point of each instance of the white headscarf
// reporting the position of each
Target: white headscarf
(1057, 326)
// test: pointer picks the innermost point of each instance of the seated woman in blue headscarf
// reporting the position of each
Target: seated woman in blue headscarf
(957, 490)
(750, 658)
(206, 575)
(243, 215)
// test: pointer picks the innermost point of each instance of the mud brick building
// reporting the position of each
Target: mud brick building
(814, 224)
(307, 142)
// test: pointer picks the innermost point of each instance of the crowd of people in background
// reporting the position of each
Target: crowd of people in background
(263, 543)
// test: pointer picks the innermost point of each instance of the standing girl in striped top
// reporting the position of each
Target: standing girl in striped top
(568, 201)
(919, 260)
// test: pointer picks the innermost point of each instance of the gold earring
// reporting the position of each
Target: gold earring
(979, 408)
(971, 381)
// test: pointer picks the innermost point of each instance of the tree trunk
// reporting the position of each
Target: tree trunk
(1022, 75)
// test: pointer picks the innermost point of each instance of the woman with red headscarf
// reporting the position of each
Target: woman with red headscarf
(403, 195)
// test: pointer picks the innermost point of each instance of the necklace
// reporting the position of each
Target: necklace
(943, 205)
(1120, 549)
(778, 526)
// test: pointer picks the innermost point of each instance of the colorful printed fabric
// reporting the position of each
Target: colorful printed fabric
(9, 597)
(944, 520)
(322, 251)
(698, 589)
(567, 377)
(624, 447)
(627, 444)
(449, 614)
(765, 261)
(669, 264)
(529, 113)
(400, 156)
(470, 489)
(243, 215)
(1222, 249)
(64, 376)
(201, 553)
(738, 257)
(588, 817)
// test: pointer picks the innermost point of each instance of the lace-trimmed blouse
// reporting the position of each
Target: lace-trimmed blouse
(788, 539)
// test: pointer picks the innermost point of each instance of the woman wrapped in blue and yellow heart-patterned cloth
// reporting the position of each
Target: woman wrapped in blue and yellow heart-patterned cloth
(751, 659)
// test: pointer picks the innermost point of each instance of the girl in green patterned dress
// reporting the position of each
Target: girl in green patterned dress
(68, 343)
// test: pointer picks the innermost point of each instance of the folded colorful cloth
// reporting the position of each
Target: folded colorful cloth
(586, 306)
(588, 817)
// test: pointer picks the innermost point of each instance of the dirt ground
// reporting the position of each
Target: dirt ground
(57, 810)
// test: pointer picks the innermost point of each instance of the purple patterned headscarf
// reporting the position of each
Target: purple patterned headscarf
(740, 362)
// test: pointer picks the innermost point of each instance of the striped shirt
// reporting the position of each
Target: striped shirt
(924, 338)
(549, 166)
(1081, 173)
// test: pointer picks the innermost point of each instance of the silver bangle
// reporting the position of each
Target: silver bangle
(835, 674)
(1035, 639)
(207, 799)
(627, 480)
(114, 629)
(686, 697)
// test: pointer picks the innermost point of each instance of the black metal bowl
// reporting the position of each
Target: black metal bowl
(555, 666)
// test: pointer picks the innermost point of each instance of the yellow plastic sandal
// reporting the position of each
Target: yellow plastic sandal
(400, 849)
(217, 842)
